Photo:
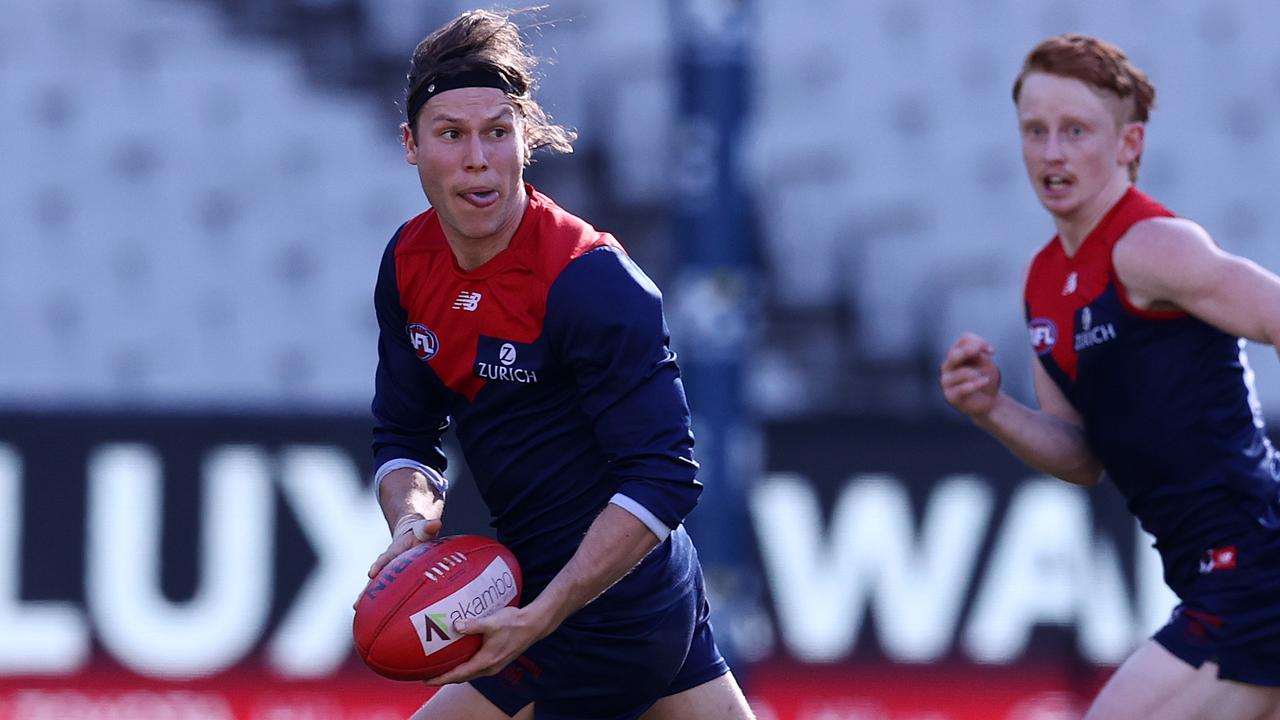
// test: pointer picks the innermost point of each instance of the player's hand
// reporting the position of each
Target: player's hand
(410, 530)
(969, 377)
(507, 633)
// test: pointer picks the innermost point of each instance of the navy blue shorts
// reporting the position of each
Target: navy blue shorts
(1231, 617)
(612, 669)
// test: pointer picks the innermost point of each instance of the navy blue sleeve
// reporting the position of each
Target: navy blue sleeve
(408, 412)
(604, 318)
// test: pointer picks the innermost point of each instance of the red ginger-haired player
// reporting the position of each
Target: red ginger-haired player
(1136, 318)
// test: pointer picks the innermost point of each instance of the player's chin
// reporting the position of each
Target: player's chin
(1058, 204)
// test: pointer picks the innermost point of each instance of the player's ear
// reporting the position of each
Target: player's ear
(410, 144)
(526, 149)
(1132, 137)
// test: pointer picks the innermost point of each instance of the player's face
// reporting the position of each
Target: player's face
(470, 154)
(1076, 149)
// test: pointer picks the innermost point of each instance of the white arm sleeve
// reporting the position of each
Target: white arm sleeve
(651, 521)
(436, 478)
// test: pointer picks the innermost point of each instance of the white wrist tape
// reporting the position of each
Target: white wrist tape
(413, 523)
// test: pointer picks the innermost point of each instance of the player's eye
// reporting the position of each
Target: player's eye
(449, 134)
(1076, 131)
(499, 132)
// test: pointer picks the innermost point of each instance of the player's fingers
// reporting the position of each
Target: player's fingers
(975, 340)
(960, 390)
(968, 347)
(951, 378)
(959, 355)
(378, 564)
(481, 663)
(477, 626)
(397, 546)
(953, 358)
(954, 379)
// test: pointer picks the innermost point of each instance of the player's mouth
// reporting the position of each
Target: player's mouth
(479, 197)
(1056, 184)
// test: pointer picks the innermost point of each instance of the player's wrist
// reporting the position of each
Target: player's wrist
(416, 524)
(545, 613)
(993, 415)
(404, 521)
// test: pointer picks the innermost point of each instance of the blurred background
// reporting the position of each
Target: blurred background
(195, 194)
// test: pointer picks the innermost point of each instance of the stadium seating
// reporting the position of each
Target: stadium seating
(196, 192)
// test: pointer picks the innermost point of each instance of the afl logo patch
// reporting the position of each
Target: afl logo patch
(1043, 335)
(424, 342)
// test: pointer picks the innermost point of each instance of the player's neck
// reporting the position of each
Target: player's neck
(1073, 229)
(472, 252)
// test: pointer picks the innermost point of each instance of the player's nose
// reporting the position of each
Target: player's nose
(1051, 149)
(475, 158)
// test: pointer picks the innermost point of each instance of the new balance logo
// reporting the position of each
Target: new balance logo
(468, 301)
(1073, 282)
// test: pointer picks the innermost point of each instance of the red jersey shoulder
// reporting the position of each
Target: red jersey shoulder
(421, 252)
(1049, 256)
(1043, 323)
(1137, 206)
(561, 237)
(1049, 262)
(422, 233)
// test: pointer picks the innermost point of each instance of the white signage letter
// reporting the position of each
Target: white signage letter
(345, 527)
(136, 622)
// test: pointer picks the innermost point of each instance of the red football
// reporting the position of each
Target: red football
(404, 620)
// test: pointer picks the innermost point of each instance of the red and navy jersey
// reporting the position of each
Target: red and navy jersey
(553, 360)
(1167, 399)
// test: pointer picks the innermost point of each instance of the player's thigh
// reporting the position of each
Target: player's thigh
(718, 699)
(1153, 683)
(460, 701)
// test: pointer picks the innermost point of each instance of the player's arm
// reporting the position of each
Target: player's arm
(412, 501)
(408, 422)
(615, 543)
(629, 385)
(1172, 263)
(1050, 439)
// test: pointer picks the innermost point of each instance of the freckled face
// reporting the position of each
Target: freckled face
(1074, 145)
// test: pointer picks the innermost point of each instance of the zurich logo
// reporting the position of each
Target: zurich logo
(424, 342)
(1044, 334)
(507, 354)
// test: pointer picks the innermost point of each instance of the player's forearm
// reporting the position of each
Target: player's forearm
(616, 542)
(408, 491)
(1045, 442)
